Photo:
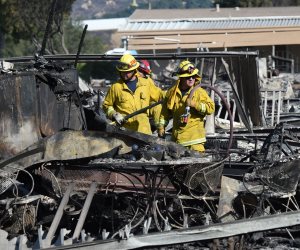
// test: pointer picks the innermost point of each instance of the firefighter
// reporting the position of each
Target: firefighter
(145, 72)
(144, 69)
(129, 94)
(188, 112)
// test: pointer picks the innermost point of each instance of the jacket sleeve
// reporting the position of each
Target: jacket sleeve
(206, 104)
(108, 104)
(155, 114)
(156, 94)
(165, 114)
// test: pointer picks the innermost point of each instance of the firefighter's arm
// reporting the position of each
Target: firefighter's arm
(161, 124)
(164, 118)
(155, 114)
(109, 101)
(156, 93)
(202, 102)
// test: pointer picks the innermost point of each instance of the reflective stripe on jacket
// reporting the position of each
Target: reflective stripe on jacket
(121, 99)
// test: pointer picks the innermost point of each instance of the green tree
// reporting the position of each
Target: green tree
(198, 4)
(256, 3)
(72, 35)
(24, 24)
(26, 20)
(167, 4)
(98, 70)
(286, 2)
(228, 3)
(122, 13)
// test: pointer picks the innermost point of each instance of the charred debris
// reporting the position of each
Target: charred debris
(70, 179)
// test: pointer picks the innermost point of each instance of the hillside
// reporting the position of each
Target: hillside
(95, 9)
(92, 9)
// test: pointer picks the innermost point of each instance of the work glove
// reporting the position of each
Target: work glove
(118, 118)
(161, 132)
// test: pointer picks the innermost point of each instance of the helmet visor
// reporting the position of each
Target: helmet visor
(123, 66)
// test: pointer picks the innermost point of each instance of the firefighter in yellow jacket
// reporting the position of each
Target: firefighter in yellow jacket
(146, 73)
(129, 94)
(188, 112)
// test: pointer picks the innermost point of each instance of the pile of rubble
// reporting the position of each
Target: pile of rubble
(75, 180)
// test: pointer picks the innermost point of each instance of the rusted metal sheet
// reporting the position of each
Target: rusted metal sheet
(244, 82)
(108, 180)
(32, 109)
(58, 103)
(19, 125)
(199, 233)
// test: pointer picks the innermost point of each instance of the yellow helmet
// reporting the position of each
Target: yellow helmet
(186, 69)
(127, 63)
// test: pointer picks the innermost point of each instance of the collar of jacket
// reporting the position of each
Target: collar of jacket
(171, 99)
(140, 82)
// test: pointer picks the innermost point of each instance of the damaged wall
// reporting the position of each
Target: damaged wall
(19, 127)
(32, 108)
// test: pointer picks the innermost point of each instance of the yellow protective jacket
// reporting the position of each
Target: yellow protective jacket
(154, 112)
(192, 132)
(120, 99)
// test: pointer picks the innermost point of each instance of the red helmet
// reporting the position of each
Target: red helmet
(145, 67)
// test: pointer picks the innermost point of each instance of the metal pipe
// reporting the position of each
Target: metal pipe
(279, 106)
(49, 23)
(265, 103)
(210, 119)
(273, 109)
(84, 210)
(220, 109)
(58, 215)
(80, 45)
(99, 101)
(228, 101)
(101, 57)
(233, 110)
